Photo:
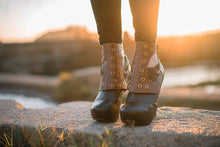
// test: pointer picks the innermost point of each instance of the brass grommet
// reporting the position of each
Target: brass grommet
(143, 61)
(112, 85)
(115, 80)
(139, 85)
(151, 49)
(112, 66)
(146, 46)
(112, 57)
(119, 85)
(141, 70)
(113, 49)
(143, 79)
(112, 73)
(146, 86)
(145, 53)
(103, 70)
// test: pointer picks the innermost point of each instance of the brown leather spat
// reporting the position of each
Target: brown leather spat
(112, 69)
(140, 83)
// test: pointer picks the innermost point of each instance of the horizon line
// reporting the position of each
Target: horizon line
(32, 39)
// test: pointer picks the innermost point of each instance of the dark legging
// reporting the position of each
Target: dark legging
(108, 19)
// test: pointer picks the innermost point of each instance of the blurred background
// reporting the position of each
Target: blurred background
(49, 51)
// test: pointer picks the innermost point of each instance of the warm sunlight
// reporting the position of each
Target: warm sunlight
(64, 84)
(25, 20)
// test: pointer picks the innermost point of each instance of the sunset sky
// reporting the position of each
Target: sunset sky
(24, 20)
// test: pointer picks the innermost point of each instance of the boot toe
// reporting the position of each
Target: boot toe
(105, 115)
(138, 115)
(106, 107)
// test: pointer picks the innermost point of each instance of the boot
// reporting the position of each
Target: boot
(144, 87)
(115, 70)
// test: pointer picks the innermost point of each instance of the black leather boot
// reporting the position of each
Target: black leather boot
(144, 87)
(115, 70)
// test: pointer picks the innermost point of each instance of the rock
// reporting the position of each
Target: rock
(70, 124)
(10, 104)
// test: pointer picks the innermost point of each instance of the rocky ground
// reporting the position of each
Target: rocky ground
(70, 124)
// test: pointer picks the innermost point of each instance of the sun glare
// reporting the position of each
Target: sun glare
(25, 21)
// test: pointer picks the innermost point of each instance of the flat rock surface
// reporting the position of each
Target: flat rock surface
(173, 126)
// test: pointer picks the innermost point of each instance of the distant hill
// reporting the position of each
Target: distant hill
(183, 50)
(76, 47)
(69, 34)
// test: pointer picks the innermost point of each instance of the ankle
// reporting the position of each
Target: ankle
(112, 46)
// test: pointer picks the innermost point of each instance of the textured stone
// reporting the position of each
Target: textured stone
(71, 124)
(10, 104)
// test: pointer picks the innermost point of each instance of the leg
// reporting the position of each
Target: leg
(108, 19)
(145, 16)
(115, 66)
(147, 71)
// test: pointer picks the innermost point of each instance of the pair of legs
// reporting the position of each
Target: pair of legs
(145, 79)
(108, 19)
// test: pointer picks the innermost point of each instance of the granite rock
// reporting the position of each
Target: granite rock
(70, 124)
